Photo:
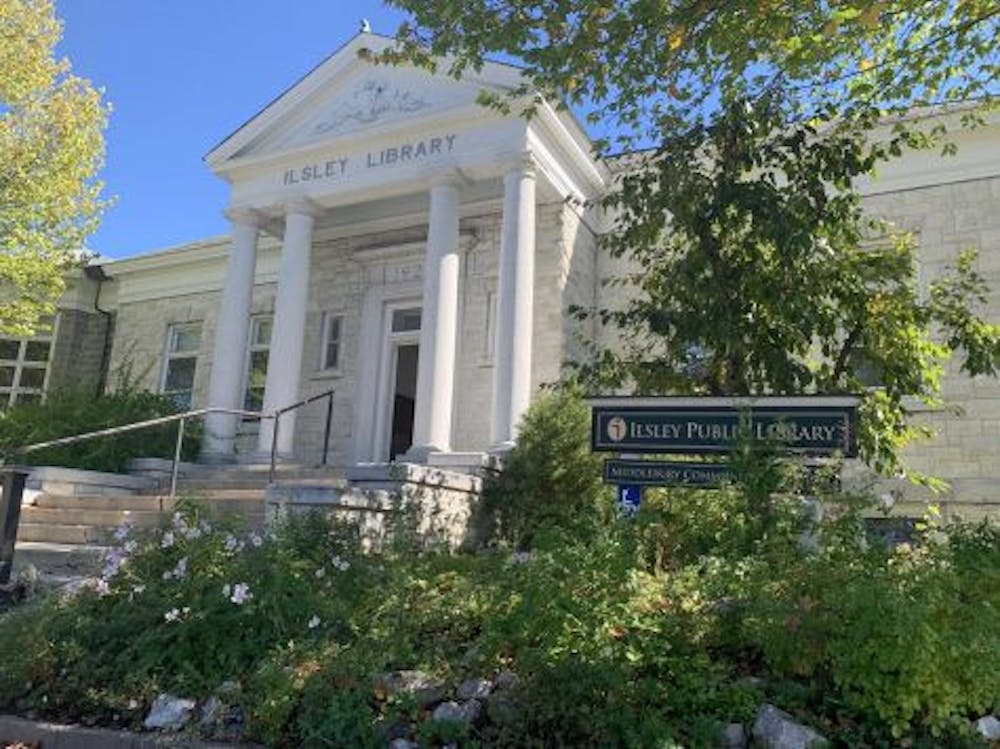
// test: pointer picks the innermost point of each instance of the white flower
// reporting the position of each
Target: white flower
(232, 544)
(320, 573)
(122, 531)
(192, 533)
(256, 540)
(130, 546)
(341, 564)
(181, 569)
(173, 615)
(314, 622)
(102, 588)
(137, 589)
(167, 541)
(241, 594)
(167, 575)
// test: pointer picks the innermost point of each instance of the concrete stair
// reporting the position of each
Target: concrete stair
(65, 536)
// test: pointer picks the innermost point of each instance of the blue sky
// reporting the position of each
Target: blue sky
(180, 76)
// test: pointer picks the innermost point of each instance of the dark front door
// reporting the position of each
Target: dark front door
(404, 399)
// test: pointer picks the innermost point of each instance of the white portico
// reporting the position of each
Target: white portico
(408, 221)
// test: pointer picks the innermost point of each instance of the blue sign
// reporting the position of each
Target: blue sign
(629, 499)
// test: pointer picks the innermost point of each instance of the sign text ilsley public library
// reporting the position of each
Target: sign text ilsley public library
(817, 426)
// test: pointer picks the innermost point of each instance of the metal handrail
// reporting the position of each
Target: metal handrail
(198, 413)
(277, 421)
(136, 425)
(141, 425)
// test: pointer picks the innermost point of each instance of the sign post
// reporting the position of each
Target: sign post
(10, 513)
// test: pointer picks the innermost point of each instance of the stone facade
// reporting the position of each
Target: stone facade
(79, 349)
(946, 219)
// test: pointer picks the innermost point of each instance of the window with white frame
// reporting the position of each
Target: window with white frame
(258, 351)
(180, 361)
(24, 366)
(333, 326)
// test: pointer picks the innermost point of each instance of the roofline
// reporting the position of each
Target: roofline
(284, 91)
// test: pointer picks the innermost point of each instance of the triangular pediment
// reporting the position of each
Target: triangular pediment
(346, 96)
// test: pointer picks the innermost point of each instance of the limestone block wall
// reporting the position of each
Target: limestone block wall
(140, 337)
(78, 349)
(946, 219)
(477, 330)
(337, 284)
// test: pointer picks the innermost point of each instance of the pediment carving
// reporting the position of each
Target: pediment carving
(369, 102)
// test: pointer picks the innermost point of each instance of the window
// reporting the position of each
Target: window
(183, 342)
(24, 367)
(329, 357)
(259, 348)
(405, 320)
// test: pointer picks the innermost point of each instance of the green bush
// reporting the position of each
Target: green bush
(551, 482)
(65, 413)
(872, 646)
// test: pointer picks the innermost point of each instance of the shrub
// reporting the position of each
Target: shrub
(874, 647)
(69, 412)
(551, 482)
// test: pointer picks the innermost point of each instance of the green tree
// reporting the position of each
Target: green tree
(644, 68)
(51, 147)
(757, 270)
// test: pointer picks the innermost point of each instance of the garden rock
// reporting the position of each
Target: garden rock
(474, 689)
(169, 713)
(732, 736)
(776, 729)
(465, 713)
(424, 689)
(988, 727)
(401, 743)
(221, 720)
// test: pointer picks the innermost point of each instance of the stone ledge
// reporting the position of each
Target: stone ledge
(58, 736)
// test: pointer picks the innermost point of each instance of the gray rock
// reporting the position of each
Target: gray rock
(506, 680)
(988, 727)
(732, 736)
(403, 744)
(169, 713)
(465, 713)
(776, 729)
(474, 689)
(424, 689)
(211, 712)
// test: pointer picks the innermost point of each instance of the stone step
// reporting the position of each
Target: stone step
(240, 502)
(89, 516)
(82, 535)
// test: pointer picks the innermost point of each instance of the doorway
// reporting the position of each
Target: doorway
(404, 399)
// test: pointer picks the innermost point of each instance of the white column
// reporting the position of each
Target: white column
(512, 368)
(284, 360)
(229, 357)
(438, 324)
